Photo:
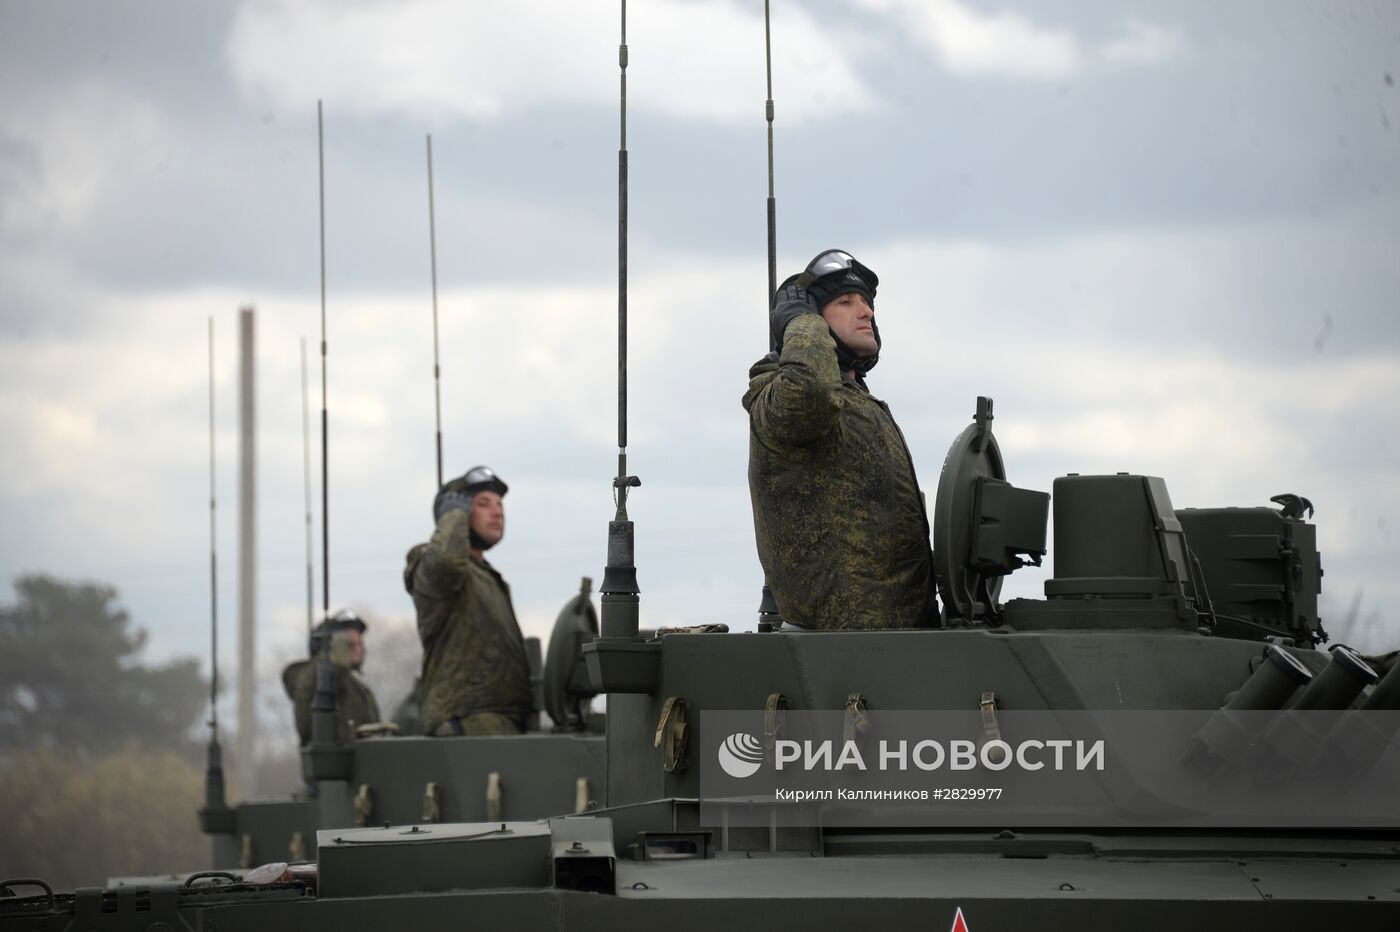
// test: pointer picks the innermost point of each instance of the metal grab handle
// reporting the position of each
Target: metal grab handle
(5, 885)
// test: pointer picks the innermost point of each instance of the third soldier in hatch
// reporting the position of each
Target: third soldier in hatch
(839, 519)
(341, 639)
(476, 675)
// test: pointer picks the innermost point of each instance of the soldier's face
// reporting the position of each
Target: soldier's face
(357, 648)
(488, 517)
(849, 317)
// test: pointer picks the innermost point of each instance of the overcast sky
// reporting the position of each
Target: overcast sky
(1164, 237)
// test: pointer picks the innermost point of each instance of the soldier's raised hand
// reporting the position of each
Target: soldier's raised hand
(791, 302)
(450, 500)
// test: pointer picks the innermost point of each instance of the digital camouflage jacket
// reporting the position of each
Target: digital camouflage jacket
(473, 652)
(839, 519)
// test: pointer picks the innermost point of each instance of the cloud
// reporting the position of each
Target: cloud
(441, 60)
(111, 404)
(968, 42)
(1143, 44)
(52, 441)
(58, 160)
(1011, 45)
(1136, 405)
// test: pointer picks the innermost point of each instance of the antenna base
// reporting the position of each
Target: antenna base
(320, 762)
(620, 613)
(769, 618)
(215, 817)
(620, 575)
(623, 664)
(326, 758)
(217, 821)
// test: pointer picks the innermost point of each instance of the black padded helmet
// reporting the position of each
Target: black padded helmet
(476, 479)
(344, 620)
(832, 273)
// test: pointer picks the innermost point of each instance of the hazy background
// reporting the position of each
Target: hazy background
(1165, 238)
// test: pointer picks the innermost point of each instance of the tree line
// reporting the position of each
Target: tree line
(100, 765)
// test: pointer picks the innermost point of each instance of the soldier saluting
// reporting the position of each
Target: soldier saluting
(476, 675)
(838, 515)
(341, 639)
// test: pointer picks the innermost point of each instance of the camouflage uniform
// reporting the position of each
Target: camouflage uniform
(354, 700)
(838, 515)
(475, 670)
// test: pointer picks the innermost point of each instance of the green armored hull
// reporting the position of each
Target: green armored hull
(406, 780)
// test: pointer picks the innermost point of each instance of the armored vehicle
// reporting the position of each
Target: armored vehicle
(1227, 772)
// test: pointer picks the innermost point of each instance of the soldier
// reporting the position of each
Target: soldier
(838, 515)
(341, 639)
(476, 675)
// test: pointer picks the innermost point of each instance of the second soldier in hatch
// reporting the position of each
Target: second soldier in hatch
(341, 639)
(839, 519)
(476, 674)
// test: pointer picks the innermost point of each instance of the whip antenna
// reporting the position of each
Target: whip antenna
(437, 370)
(213, 562)
(768, 617)
(772, 201)
(215, 817)
(325, 428)
(619, 484)
(306, 472)
(619, 588)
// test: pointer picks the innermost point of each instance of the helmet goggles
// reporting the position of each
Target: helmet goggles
(833, 261)
(483, 476)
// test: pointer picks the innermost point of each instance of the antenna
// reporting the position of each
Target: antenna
(306, 471)
(768, 617)
(437, 369)
(216, 818)
(772, 201)
(325, 428)
(213, 562)
(619, 588)
(619, 485)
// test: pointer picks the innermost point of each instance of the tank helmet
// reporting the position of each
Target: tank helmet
(457, 493)
(474, 480)
(831, 274)
(344, 620)
(483, 479)
(834, 272)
